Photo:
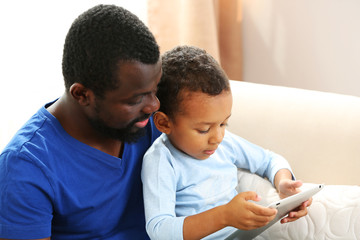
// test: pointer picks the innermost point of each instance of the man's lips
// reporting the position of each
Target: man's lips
(142, 124)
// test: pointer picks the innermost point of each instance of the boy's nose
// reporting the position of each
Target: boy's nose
(217, 136)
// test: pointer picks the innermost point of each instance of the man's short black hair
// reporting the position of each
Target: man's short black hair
(191, 69)
(100, 39)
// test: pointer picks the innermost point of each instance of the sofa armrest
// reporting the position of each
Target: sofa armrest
(334, 213)
(317, 132)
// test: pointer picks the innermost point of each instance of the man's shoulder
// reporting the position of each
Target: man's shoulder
(32, 137)
(26, 133)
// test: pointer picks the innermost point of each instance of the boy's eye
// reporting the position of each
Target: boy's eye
(203, 131)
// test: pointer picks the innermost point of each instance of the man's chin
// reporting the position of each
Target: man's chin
(132, 136)
(128, 134)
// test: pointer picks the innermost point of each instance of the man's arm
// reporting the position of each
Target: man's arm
(28, 239)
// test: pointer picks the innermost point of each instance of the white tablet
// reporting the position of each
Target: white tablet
(284, 206)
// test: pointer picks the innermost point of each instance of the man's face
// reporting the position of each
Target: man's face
(124, 112)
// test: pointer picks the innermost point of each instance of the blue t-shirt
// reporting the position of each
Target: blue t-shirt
(54, 185)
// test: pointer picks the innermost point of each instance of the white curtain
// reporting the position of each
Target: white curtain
(214, 25)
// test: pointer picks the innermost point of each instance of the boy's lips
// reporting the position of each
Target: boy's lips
(142, 124)
(209, 152)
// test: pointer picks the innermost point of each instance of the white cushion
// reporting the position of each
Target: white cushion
(334, 213)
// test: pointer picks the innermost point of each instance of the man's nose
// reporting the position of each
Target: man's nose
(152, 104)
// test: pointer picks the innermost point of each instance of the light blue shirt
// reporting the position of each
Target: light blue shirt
(177, 185)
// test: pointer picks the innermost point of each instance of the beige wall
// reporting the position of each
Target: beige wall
(303, 43)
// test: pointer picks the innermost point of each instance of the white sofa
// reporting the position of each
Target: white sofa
(319, 134)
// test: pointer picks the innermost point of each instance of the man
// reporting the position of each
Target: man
(73, 170)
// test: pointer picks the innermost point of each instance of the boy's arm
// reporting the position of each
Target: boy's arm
(287, 187)
(285, 174)
(239, 213)
(159, 185)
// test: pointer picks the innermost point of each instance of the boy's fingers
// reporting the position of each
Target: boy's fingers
(262, 211)
(255, 208)
(301, 212)
(297, 184)
(255, 221)
(251, 196)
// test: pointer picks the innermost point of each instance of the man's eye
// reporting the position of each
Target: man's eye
(136, 101)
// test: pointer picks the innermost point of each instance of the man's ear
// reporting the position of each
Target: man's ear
(81, 94)
(162, 122)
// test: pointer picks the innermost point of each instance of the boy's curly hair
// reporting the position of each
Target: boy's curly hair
(192, 69)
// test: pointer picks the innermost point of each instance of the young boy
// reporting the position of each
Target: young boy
(190, 172)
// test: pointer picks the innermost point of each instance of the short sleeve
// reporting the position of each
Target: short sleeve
(25, 199)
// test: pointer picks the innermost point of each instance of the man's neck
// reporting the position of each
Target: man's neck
(73, 120)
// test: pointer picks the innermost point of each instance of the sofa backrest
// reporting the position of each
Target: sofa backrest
(317, 132)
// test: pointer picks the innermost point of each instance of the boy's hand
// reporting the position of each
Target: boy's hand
(287, 188)
(242, 214)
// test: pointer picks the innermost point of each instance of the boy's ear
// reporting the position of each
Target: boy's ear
(162, 122)
(81, 94)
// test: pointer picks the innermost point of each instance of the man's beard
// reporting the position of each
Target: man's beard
(126, 134)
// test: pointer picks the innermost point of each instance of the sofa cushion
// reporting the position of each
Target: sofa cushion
(334, 213)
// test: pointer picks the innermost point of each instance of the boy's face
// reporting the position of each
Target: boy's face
(200, 126)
